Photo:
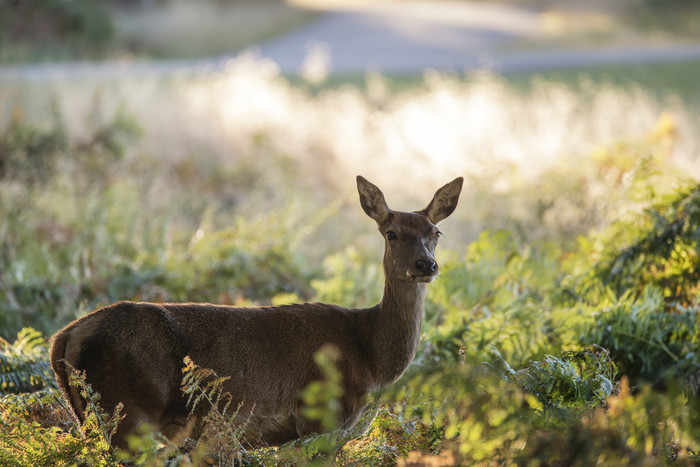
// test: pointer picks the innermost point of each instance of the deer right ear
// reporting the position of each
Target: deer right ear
(372, 200)
(445, 201)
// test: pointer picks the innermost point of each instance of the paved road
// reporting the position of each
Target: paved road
(405, 37)
(408, 37)
(394, 38)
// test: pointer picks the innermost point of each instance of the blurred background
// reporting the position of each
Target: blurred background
(206, 151)
(132, 128)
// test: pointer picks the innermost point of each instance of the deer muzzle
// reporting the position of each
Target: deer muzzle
(427, 270)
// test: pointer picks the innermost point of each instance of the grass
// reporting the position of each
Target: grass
(576, 24)
(500, 132)
(238, 188)
(661, 80)
(563, 328)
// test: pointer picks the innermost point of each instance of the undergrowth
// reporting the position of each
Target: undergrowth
(23, 364)
(577, 348)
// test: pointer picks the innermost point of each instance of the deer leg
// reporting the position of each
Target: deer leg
(306, 427)
(179, 429)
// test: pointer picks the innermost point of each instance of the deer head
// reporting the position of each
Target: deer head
(410, 237)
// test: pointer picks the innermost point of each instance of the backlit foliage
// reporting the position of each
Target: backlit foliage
(563, 328)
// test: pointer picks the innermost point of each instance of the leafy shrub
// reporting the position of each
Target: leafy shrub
(643, 289)
(45, 175)
(664, 252)
(28, 153)
(348, 275)
(34, 430)
(24, 365)
(76, 235)
(583, 378)
(233, 264)
(391, 436)
(86, 225)
(487, 418)
(646, 428)
(27, 442)
(31, 153)
(486, 299)
(649, 344)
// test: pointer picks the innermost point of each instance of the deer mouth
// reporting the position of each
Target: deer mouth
(425, 279)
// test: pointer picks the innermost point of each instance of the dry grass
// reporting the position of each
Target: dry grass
(501, 138)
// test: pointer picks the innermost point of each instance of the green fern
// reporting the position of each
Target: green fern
(648, 343)
(320, 403)
(24, 365)
(36, 430)
(222, 432)
(582, 378)
(98, 426)
(664, 252)
(202, 384)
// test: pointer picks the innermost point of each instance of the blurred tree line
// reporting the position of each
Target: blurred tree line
(32, 30)
(85, 29)
(83, 26)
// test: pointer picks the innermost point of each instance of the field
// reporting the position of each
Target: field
(563, 329)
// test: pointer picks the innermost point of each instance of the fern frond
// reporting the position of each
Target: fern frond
(649, 343)
(97, 421)
(201, 384)
(582, 378)
(24, 364)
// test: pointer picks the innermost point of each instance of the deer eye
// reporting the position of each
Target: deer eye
(437, 235)
(390, 235)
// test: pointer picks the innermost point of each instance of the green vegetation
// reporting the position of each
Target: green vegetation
(54, 30)
(563, 328)
(23, 364)
(184, 29)
(669, 16)
(659, 79)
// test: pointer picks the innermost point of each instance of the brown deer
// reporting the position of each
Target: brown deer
(132, 353)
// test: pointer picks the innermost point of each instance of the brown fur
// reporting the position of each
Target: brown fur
(133, 352)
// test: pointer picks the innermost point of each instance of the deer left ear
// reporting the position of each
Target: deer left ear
(372, 200)
(444, 202)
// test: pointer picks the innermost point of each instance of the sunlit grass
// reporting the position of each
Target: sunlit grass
(246, 154)
(238, 188)
(312, 141)
(662, 81)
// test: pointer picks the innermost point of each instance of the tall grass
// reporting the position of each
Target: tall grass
(158, 164)
(238, 188)
(500, 137)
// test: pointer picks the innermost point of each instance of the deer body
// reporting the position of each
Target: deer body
(133, 352)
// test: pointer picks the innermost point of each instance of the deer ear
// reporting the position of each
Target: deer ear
(372, 200)
(445, 201)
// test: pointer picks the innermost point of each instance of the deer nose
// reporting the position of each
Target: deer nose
(427, 268)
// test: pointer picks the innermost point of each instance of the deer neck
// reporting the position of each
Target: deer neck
(397, 328)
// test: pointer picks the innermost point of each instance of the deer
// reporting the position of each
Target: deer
(132, 353)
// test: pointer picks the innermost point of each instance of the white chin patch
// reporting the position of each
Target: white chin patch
(423, 278)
